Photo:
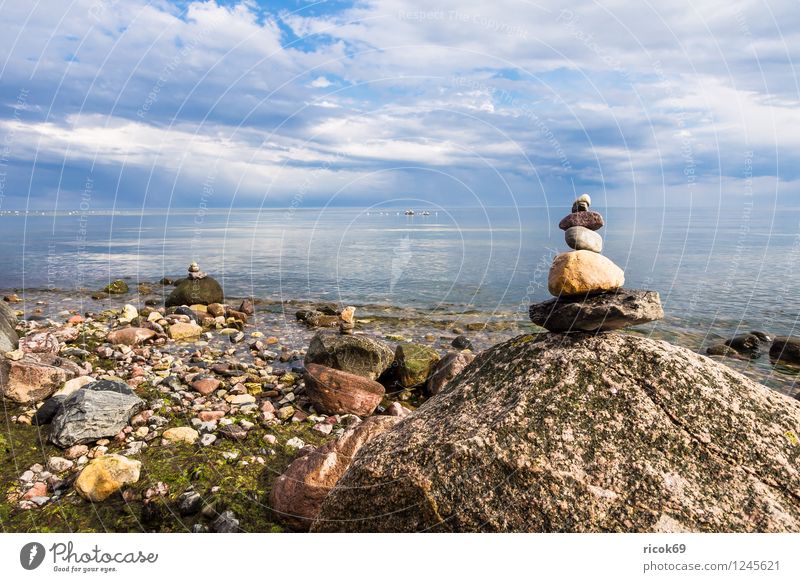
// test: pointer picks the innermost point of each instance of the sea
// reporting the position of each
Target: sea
(720, 271)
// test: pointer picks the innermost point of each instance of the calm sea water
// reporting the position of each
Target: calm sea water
(718, 271)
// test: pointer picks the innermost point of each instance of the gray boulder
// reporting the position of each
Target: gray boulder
(602, 312)
(88, 415)
(9, 340)
(196, 292)
(582, 433)
(356, 354)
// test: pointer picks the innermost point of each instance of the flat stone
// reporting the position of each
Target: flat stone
(40, 343)
(180, 434)
(34, 377)
(581, 238)
(89, 415)
(183, 331)
(583, 272)
(205, 385)
(591, 220)
(603, 312)
(130, 336)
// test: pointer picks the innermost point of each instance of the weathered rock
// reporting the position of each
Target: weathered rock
(9, 340)
(581, 238)
(184, 331)
(415, 363)
(591, 220)
(216, 309)
(580, 433)
(335, 392)
(106, 475)
(118, 287)
(582, 273)
(196, 291)
(111, 386)
(603, 312)
(130, 336)
(297, 495)
(40, 343)
(205, 385)
(34, 377)
(48, 410)
(356, 354)
(247, 307)
(448, 368)
(180, 434)
(88, 415)
(785, 349)
(723, 350)
(461, 342)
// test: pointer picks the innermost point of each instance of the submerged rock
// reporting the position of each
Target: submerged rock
(118, 287)
(602, 312)
(356, 354)
(751, 345)
(297, 495)
(786, 349)
(578, 433)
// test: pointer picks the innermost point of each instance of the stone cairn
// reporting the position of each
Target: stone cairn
(588, 287)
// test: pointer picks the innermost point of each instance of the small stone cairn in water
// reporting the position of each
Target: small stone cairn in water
(587, 286)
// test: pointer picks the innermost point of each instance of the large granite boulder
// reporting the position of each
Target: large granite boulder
(8, 335)
(582, 433)
(603, 312)
(35, 377)
(196, 292)
(298, 494)
(356, 354)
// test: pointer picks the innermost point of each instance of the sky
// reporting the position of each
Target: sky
(154, 104)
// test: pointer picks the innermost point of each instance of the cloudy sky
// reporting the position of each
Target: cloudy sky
(138, 103)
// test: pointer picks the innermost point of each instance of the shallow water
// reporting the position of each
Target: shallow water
(719, 272)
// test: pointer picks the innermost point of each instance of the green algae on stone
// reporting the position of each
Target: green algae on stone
(415, 363)
(117, 287)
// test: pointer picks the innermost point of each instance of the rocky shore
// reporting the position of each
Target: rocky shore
(171, 407)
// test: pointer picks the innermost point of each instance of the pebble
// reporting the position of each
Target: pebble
(295, 443)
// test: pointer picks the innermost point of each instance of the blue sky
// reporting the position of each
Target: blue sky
(152, 104)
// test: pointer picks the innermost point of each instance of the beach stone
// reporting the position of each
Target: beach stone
(785, 349)
(40, 343)
(104, 476)
(348, 315)
(581, 433)
(59, 464)
(591, 220)
(106, 385)
(34, 377)
(602, 312)
(118, 287)
(335, 392)
(185, 331)
(190, 291)
(461, 342)
(297, 495)
(76, 452)
(415, 363)
(47, 411)
(130, 336)
(205, 385)
(226, 522)
(216, 309)
(752, 344)
(71, 386)
(583, 239)
(583, 272)
(247, 307)
(88, 415)
(9, 340)
(180, 434)
(129, 312)
(356, 354)
(446, 369)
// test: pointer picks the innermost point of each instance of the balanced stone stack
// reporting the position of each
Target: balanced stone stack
(588, 287)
